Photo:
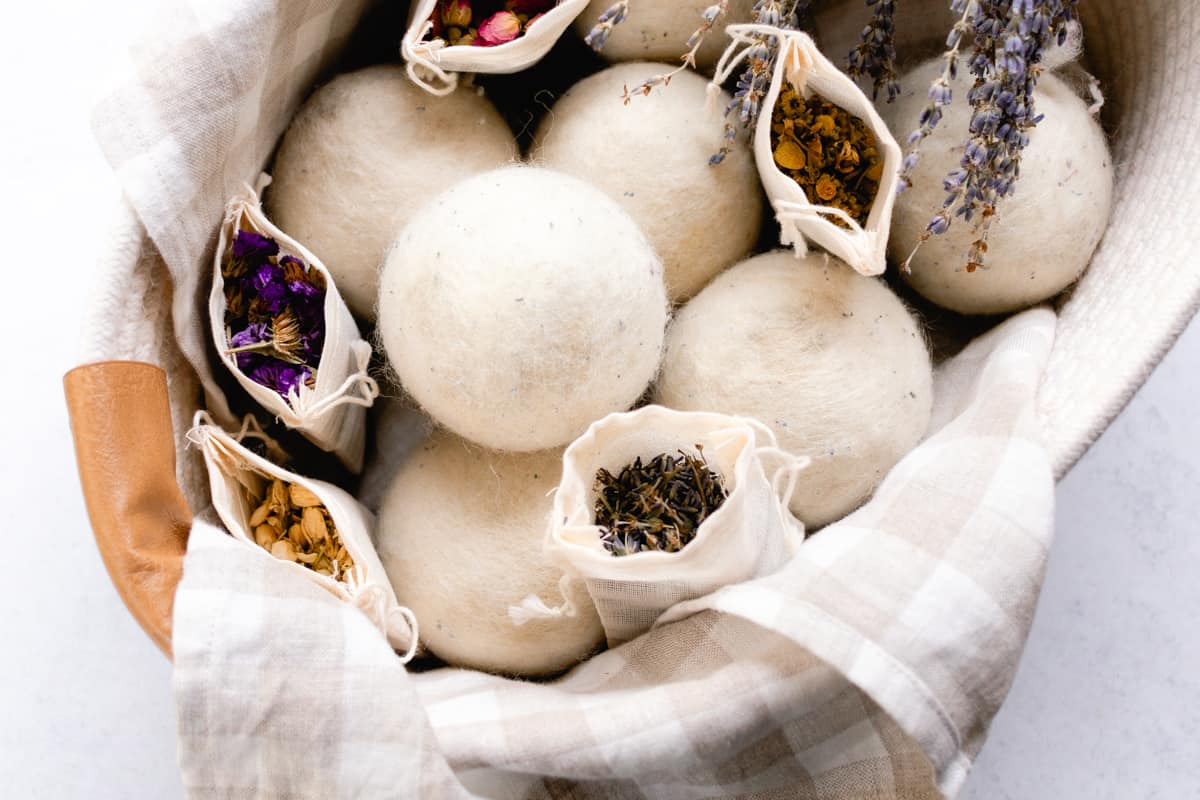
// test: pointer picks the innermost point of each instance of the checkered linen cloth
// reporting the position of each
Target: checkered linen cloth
(869, 667)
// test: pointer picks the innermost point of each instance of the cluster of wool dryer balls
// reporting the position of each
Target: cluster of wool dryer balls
(517, 303)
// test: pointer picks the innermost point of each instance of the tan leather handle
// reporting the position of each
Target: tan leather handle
(121, 422)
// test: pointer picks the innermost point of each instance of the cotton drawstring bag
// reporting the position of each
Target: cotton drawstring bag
(750, 535)
(433, 64)
(237, 475)
(332, 412)
(801, 221)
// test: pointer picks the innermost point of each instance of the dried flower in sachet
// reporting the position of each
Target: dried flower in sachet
(640, 539)
(285, 334)
(518, 336)
(363, 154)
(651, 156)
(831, 361)
(305, 525)
(827, 161)
(460, 534)
(1042, 240)
(446, 37)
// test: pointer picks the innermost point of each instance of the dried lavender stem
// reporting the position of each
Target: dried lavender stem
(613, 16)
(710, 17)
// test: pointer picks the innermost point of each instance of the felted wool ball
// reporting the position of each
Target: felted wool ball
(363, 154)
(830, 360)
(1044, 233)
(658, 30)
(651, 156)
(520, 306)
(460, 536)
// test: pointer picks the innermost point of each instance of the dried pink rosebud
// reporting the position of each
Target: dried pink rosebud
(456, 13)
(533, 20)
(499, 28)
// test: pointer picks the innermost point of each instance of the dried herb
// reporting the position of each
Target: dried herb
(829, 152)
(658, 505)
(292, 524)
(484, 23)
(275, 313)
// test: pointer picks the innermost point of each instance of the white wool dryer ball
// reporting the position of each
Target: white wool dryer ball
(363, 155)
(460, 536)
(652, 157)
(830, 360)
(1045, 232)
(520, 306)
(658, 30)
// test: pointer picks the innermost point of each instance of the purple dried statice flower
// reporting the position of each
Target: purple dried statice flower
(1011, 38)
(277, 324)
(278, 375)
(875, 55)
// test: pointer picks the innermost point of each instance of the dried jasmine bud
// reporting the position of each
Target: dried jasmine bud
(292, 524)
(830, 153)
(659, 505)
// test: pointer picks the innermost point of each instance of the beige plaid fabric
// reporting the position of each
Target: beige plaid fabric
(869, 667)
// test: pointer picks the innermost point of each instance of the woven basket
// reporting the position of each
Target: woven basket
(1141, 290)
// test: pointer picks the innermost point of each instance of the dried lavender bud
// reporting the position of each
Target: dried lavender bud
(659, 505)
(613, 16)
(875, 56)
(829, 152)
(1011, 38)
(709, 18)
(752, 85)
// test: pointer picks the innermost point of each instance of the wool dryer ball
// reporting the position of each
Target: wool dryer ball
(1045, 231)
(652, 157)
(363, 154)
(658, 30)
(830, 360)
(520, 306)
(460, 537)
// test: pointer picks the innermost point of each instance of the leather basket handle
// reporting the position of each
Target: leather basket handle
(125, 449)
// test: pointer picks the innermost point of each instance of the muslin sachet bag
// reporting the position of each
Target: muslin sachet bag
(817, 94)
(443, 39)
(750, 534)
(282, 328)
(307, 525)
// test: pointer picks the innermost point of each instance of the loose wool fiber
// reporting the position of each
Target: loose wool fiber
(830, 360)
(520, 306)
(1046, 230)
(658, 30)
(651, 156)
(363, 154)
(460, 537)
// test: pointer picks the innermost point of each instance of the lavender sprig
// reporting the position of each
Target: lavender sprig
(613, 16)
(1011, 37)
(940, 93)
(709, 18)
(752, 85)
(875, 55)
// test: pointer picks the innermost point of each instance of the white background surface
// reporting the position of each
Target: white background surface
(1106, 705)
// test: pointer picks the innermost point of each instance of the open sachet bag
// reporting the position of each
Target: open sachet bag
(434, 61)
(835, 216)
(307, 525)
(749, 535)
(285, 332)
